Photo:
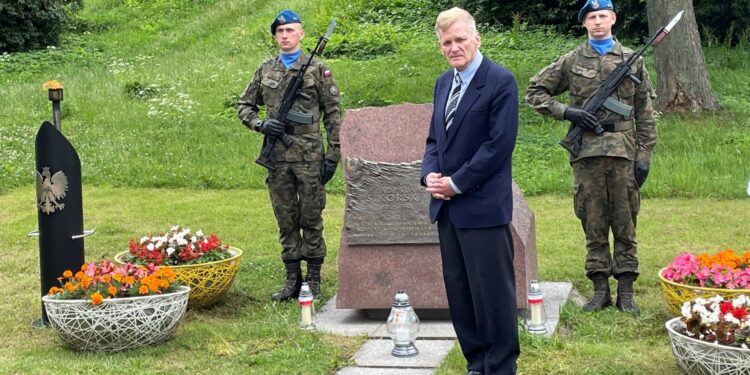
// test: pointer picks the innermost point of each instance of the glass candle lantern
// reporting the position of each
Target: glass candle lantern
(307, 308)
(536, 318)
(403, 324)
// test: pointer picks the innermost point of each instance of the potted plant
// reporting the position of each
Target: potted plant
(711, 336)
(689, 276)
(110, 307)
(200, 261)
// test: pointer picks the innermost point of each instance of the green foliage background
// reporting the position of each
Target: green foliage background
(151, 89)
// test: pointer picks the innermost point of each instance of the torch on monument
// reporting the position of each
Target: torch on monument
(59, 202)
(55, 90)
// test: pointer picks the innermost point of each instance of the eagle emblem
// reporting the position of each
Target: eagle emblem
(50, 189)
(595, 4)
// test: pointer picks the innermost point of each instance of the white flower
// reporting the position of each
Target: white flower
(175, 228)
(181, 241)
(685, 310)
(144, 239)
(739, 301)
(159, 244)
(150, 247)
(193, 239)
(729, 318)
(199, 233)
(170, 250)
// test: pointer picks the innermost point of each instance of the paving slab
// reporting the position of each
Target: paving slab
(384, 371)
(355, 322)
(377, 353)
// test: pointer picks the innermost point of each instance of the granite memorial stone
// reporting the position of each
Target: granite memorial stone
(387, 241)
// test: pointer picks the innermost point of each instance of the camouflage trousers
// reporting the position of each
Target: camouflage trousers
(606, 196)
(298, 199)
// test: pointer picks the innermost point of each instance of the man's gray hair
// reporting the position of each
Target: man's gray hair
(448, 17)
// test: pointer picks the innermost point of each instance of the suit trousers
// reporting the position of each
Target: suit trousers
(480, 284)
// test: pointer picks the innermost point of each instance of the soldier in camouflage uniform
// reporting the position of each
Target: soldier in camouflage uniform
(296, 186)
(612, 166)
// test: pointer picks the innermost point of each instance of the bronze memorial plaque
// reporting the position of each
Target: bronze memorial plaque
(386, 204)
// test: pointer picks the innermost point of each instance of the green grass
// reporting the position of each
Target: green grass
(247, 333)
(612, 342)
(150, 89)
(194, 57)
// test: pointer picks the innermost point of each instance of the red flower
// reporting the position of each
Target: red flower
(725, 307)
(739, 313)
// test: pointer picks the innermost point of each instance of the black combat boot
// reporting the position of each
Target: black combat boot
(292, 284)
(625, 300)
(601, 298)
(313, 274)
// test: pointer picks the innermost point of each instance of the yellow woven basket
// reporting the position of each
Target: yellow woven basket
(207, 281)
(677, 294)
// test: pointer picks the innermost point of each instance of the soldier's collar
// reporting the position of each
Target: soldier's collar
(589, 51)
(301, 60)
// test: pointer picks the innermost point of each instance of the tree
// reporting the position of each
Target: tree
(682, 80)
(33, 24)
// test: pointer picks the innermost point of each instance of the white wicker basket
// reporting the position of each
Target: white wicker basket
(699, 357)
(119, 323)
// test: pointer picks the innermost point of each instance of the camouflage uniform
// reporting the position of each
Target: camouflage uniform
(606, 194)
(297, 194)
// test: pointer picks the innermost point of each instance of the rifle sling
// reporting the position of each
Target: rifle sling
(618, 127)
(302, 129)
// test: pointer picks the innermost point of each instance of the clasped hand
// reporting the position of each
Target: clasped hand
(439, 186)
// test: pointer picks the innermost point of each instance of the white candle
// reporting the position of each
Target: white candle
(536, 314)
(306, 315)
(401, 336)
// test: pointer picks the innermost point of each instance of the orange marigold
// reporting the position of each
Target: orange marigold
(67, 273)
(96, 298)
(86, 282)
(79, 275)
(111, 290)
(143, 289)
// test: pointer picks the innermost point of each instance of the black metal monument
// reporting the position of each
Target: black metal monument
(59, 204)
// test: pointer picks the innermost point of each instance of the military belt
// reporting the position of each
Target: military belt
(302, 129)
(618, 127)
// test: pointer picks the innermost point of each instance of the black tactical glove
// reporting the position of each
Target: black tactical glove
(641, 172)
(327, 170)
(271, 128)
(583, 119)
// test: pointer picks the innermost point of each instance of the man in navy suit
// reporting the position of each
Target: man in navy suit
(467, 170)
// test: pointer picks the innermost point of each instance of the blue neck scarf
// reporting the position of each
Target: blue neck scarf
(602, 46)
(288, 59)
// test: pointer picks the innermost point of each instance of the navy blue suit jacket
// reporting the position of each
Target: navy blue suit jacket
(476, 150)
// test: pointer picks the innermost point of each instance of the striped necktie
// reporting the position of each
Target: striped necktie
(450, 110)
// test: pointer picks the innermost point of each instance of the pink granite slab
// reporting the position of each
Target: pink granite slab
(369, 275)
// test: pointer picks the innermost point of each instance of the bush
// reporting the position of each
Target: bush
(724, 21)
(33, 24)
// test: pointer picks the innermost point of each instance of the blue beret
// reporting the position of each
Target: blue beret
(593, 6)
(286, 16)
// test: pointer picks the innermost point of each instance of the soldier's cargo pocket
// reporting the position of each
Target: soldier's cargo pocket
(579, 202)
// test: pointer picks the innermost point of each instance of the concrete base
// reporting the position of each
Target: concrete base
(353, 322)
(435, 339)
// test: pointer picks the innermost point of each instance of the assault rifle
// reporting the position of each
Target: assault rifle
(601, 98)
(284, 113)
